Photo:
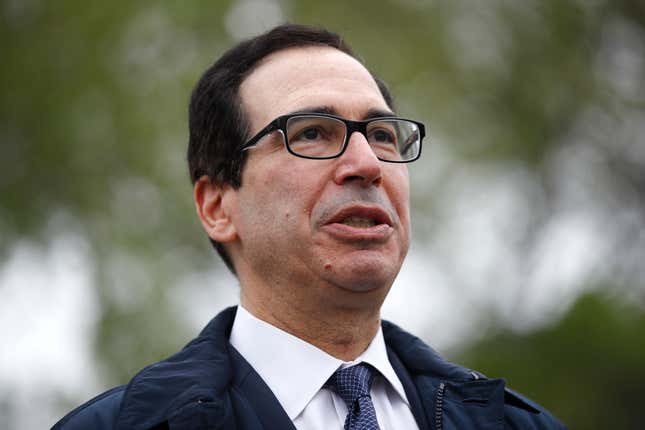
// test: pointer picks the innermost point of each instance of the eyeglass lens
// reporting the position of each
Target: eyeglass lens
(322, 137)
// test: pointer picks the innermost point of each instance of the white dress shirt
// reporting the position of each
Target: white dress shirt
(296, 371)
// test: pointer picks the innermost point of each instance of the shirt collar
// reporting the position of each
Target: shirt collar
(376, 355)
(294, 369)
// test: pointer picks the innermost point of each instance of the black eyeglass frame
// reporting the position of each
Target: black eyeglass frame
(280, 124)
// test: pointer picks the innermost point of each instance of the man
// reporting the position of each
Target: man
(300, 180)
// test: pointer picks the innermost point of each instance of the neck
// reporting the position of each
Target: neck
(342, 331)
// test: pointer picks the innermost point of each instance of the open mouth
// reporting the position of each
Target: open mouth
(362, 223)
(359, 222)
(358, 216)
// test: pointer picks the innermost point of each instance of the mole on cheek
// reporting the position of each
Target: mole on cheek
(327, 266)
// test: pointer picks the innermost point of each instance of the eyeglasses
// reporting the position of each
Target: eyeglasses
(321, 136)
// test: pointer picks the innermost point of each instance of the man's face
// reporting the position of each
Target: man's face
(340, 224)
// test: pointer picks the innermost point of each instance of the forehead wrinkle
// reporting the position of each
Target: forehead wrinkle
(339, 103)
(349, 96)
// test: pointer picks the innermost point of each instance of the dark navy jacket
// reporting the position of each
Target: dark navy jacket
(208, 385)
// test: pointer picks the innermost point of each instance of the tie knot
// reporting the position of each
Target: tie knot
(352, 383)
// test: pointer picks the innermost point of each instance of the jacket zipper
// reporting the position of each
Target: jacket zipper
(438, 407)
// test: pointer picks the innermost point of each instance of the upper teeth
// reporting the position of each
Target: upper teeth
(356, 221)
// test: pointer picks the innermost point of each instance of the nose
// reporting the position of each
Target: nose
(358, 163)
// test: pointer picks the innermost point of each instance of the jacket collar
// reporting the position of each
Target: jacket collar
(419, 358)
(422, 361)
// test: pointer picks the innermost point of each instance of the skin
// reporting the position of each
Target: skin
(321, 281)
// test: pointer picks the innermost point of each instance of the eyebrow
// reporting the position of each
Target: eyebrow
(377, 113)
(330, 110)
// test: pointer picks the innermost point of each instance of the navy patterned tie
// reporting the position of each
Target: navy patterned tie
(353, 385)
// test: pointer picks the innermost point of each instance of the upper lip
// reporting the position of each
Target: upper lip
(374, 213)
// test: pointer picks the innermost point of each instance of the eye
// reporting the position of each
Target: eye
(308, 130)
(315, 136)
(382, 135)
(311, 133)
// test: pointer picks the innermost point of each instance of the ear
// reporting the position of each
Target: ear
(213, 202)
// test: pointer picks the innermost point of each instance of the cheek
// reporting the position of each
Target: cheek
(277, 197)
(399, 190)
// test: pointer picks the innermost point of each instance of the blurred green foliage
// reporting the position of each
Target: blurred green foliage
(93, 131)
(587, 368)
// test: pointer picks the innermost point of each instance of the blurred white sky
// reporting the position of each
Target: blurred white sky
(47, 313)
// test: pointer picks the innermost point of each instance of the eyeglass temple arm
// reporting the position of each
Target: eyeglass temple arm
(410, 141)
(259, 135)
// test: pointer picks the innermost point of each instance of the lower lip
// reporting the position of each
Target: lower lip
(377, 233)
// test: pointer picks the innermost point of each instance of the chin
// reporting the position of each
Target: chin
(364, 278)
(361, 286)
(361, 271)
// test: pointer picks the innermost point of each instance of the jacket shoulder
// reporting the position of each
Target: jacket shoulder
(522, 412)
(100, 413)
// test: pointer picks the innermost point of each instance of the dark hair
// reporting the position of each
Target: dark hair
(217, 123)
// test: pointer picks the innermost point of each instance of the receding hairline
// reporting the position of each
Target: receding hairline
(313, 50)
(304, 48)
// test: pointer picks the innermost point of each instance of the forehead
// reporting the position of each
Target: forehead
(300, 78)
